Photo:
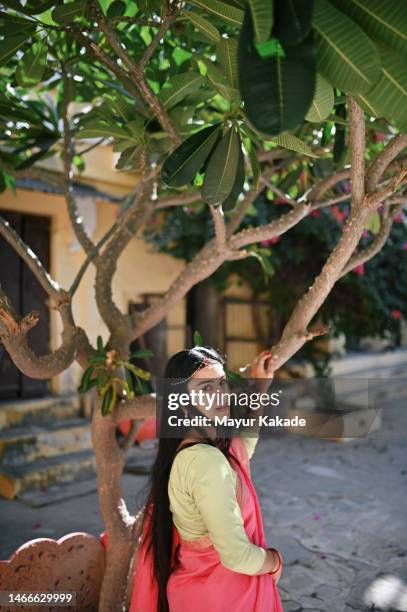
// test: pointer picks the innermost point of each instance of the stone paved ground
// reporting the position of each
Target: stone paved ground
(338, 513)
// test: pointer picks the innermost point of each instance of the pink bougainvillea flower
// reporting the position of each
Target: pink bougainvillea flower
(380, 208)
(337, 213)
(315, 213)
(398, 219)
(396, 314)
(404, 246)
(378, 137)
(366, 234)
(269, 241)
(360, 269)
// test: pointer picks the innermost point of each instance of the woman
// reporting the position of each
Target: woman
(202, 545)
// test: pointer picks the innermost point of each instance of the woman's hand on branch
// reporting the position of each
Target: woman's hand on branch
(262, 369)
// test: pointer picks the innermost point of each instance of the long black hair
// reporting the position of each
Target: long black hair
(179, 369)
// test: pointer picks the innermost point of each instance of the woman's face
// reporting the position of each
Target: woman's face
(206, 387)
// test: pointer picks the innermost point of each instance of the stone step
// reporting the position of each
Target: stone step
(20, 413)
(140, 460)
(46, 471)
(37, 498)
(19, 445)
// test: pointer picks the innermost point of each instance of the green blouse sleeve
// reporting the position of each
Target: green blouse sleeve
(212, 488)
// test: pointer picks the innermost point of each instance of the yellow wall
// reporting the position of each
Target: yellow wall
(139, 271)
(100, 169)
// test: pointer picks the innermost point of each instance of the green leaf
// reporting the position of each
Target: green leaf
(142, 354)
(66, 13)
(127, 158)
(85, 382)
(33, 7)
(180, 86)
(181, 167)
(32, 65)
(100, 345)
(322, 103)
(109, 400)
(223, 11)
(100, 379)
(221, 170)
(203, 25)
(388, 97)
(277, 92)
(122, 106)
(219, 81)
(385, 22)
(373, 222)
(292, 20)
(367, 105)
(234, 376)
(10, 25)
(227, 56)
(262, 15)
(10, 46)
(237, 188)
(138, 371)
(99, 129)
(289, 141)
(346, 56)
(36, 7)
(197, 338)
(112, 402)
(263, 257)
(116, 9)
(129, 382)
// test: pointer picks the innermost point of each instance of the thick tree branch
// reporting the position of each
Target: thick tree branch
(278, 192)
(357, 132)
(136, 215)
(218, 219)
(13, 328)
(30, 258)
(136, 72)
(143, 407)
(74, 216)
(13, 333)
(296, 331)
(324, 204)
(379, 166)
(316, 193)
(270, 230)
(379, 240)
(39, 174)
(166, 21)
(243, 206)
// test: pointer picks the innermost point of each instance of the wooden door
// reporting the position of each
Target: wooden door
(26, 294)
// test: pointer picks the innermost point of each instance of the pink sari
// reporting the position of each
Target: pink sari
(200, 582)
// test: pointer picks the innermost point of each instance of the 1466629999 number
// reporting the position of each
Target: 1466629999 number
(40, 598)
